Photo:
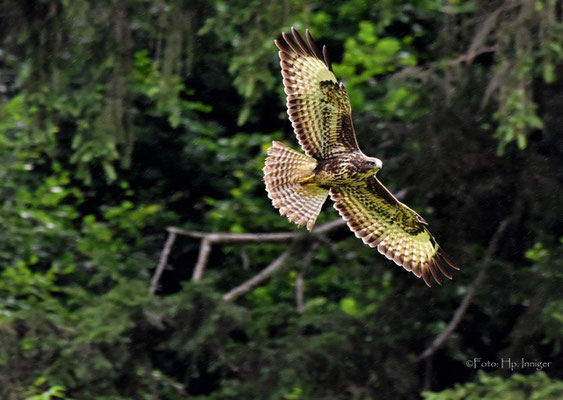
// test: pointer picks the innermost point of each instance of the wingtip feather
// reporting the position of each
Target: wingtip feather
(434, 272)
(312, 44)
(426, 277)
(326, 59)
(448, 259)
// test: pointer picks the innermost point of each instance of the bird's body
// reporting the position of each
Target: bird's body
(346, 169)
(298, 184)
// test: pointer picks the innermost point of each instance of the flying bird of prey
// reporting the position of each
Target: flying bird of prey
(298, 184)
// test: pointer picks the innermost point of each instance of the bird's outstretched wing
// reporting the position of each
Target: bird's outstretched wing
(399, 233)
(318, 106)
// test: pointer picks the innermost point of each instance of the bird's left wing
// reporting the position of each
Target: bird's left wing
(318, 106)
(399, 233)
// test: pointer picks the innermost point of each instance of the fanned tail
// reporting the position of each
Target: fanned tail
(284, 175)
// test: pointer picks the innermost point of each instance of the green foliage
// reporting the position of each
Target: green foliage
(538, 386)
(520, 59)
(37, 391)
(118, 119)
(516, 119)
(242, 159)
(251, 73)
(552, 319)
(368, 56)
(166, 91)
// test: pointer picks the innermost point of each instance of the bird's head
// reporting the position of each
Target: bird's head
(371, 165)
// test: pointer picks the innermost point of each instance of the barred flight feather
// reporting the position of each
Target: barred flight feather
(284, 168)
(318, 107)
(394, 229)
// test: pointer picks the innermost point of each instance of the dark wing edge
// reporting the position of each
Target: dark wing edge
(301, 47)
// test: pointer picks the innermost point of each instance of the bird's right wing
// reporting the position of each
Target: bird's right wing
(318, 106)
(399, 233)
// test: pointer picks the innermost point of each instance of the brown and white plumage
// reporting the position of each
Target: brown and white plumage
(299, 203)
(319, 110)
(318, 106)
(382, 221)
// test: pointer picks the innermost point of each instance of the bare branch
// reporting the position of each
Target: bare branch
(204, 250)
(329, 226)
(236, 237)
(208, 239)
(485, 29)
(162, 262)
(469, 56)
(494, 83)
(462, 308)
(244, 259)
(300, 280)
(258, 278)
(254, 237)
(300, 292)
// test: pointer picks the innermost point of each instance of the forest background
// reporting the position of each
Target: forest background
(121, 119)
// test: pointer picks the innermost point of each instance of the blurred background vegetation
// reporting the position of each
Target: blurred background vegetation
(121, 118)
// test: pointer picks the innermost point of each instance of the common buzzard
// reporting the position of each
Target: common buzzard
(298, 184)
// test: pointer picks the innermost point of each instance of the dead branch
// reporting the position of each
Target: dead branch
(462, 308)
(245, 261)
(162, 262)
(485, 29)
(469, 56)
(300, 279)
(208, 239)
(204, 250)
(494, 83)
(336, 223)
(426, 72)
(300, 292)
(254, 237)
(236, 237)
(258, 278)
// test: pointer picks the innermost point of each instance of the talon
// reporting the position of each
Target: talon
(306, 180)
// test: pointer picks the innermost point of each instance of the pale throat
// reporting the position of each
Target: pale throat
(377, 163)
